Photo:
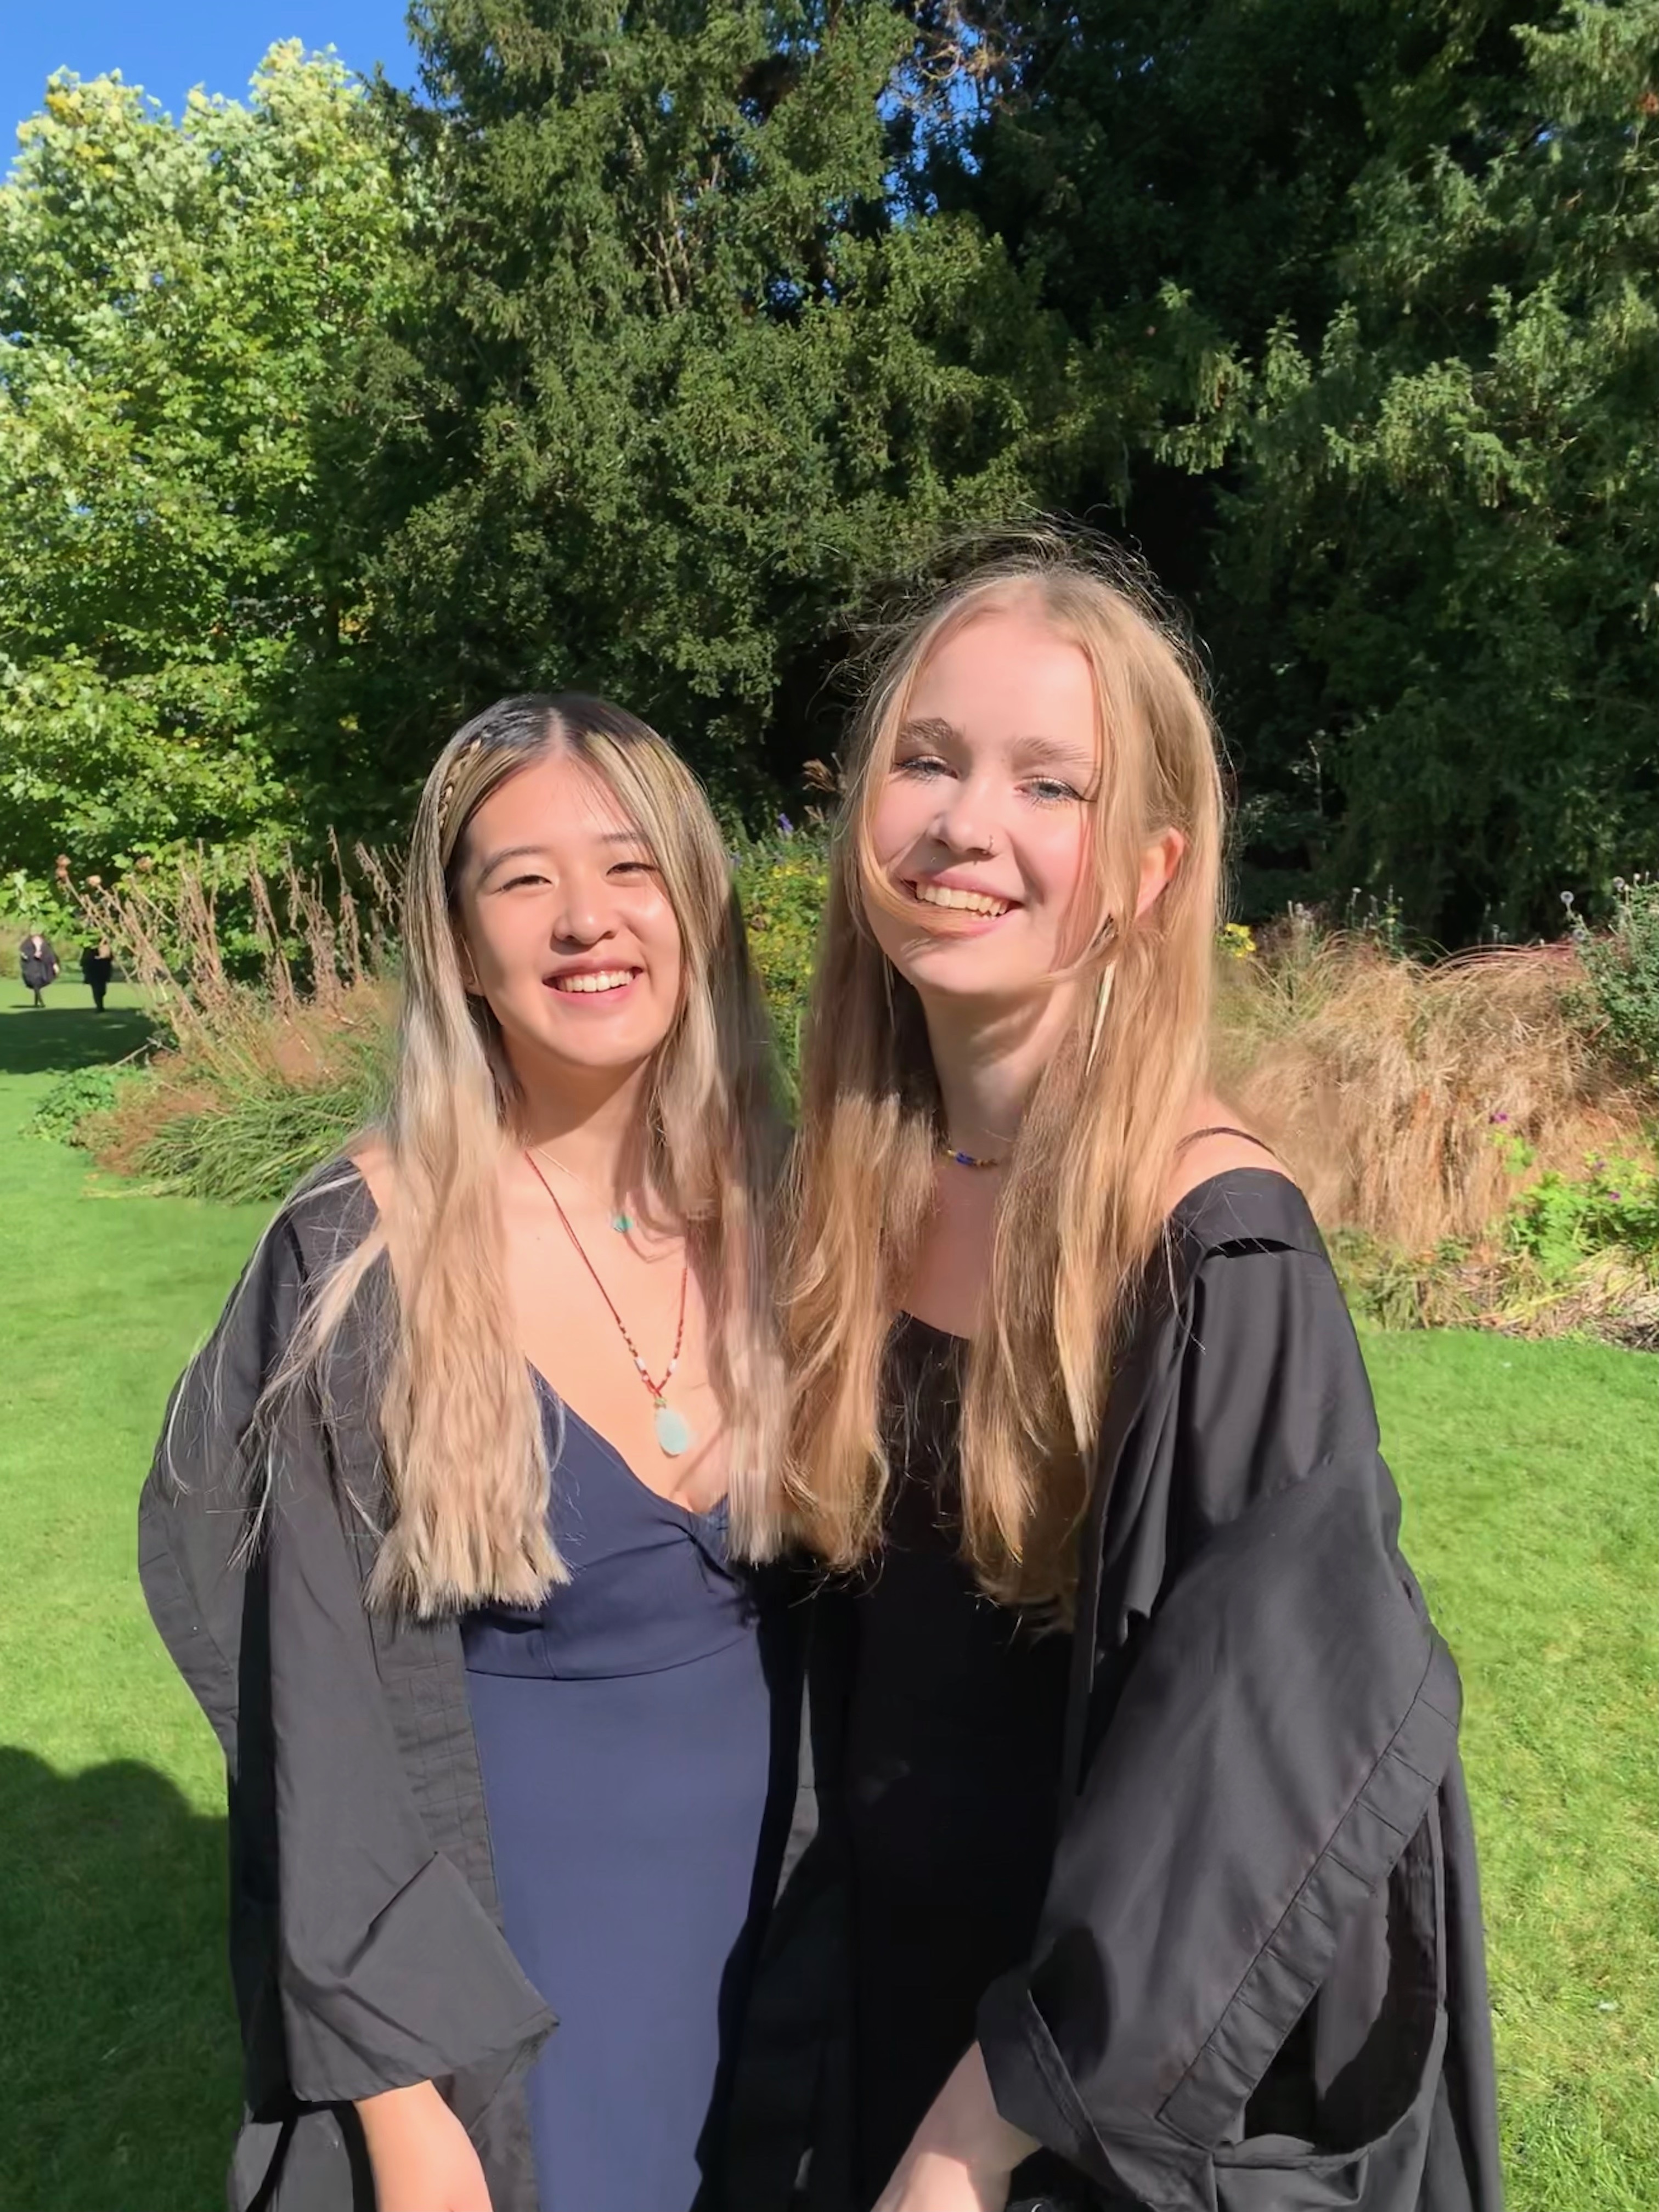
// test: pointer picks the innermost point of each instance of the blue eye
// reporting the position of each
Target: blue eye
(1050, 791)
(921, 765)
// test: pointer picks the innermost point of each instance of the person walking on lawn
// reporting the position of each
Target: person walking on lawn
(37, 963)
(97, 965)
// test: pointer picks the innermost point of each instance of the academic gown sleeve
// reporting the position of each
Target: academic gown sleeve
(1256, 1832)
(364, 1960)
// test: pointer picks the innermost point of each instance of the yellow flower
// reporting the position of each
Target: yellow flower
(1236, 940)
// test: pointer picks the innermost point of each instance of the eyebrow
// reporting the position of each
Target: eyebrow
(1058, 750)
(935, 729)
(489, 866)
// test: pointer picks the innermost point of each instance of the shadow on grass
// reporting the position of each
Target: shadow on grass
(117, 2038)
(57, 1039)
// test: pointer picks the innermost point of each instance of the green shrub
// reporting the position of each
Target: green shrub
(1622, 971)
(782, 882)
(66, 1106)
(1396, 1289)
(1571, 1255)
(1560, 1221)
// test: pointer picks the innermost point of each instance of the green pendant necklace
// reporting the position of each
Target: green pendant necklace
(674, 1432)
(621, 1220)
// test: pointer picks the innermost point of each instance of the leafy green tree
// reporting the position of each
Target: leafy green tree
(175, 301)
(679, 380)
(1368, 296)
(636, 348)
(1449, 504)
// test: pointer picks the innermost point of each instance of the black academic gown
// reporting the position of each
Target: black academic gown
(1258, 1984)
(37, 963)
(365, 1943)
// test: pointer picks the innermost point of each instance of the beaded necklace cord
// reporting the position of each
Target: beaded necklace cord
(967, 1160)
(674, 1431)
(1220, 1129)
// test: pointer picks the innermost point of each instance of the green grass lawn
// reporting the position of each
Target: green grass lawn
(116, 2037)
(1530, 1480)
(1530, 1473)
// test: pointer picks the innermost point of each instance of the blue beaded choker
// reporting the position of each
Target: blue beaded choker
(968, 1159)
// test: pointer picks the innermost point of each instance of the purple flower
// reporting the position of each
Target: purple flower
(1617, 1196)
(1498, 1117)
(785, 825)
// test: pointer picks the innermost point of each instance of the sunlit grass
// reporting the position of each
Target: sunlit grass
(1530, 1482)
(116, 2037)
(1531, 1478)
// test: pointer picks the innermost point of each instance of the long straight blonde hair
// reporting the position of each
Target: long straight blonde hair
(1081, 1211)
(460, 1425)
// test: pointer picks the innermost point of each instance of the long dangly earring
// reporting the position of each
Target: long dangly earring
(1103, 999)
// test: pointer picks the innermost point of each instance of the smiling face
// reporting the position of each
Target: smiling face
(981, 827)
(565, 925)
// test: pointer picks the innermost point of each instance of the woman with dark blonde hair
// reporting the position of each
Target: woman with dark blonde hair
(441, 1528)
(1138, 1845)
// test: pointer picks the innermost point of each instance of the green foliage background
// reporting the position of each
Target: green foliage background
(176, 303)
(645, 351)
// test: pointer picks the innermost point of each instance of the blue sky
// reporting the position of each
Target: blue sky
(168, 45)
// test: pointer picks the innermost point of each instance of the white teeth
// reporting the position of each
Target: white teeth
(611, 979)
(964, 901)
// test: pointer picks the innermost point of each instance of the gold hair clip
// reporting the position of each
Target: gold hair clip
(448, 792)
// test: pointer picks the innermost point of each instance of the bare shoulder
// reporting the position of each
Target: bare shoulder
(371, 1158)
(1215, 1140)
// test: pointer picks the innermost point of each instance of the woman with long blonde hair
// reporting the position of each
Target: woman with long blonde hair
(442, 1524)
(1134, 1763)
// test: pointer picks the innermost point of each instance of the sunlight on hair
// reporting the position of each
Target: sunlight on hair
(466, 1462)
(1082, 1210)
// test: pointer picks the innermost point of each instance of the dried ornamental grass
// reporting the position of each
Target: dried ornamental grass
(263, 1076)
(1414, 1102)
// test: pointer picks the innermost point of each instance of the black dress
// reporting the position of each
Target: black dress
(953, 1748)
(1242, 1969)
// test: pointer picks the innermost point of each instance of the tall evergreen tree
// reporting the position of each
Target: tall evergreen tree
(1445, 509)
(1367, 297)
(678, 381)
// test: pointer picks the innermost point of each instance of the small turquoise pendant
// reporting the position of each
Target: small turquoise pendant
(673, 1431)
(622, 1222)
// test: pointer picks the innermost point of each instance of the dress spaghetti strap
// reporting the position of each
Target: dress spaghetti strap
(1226, 1129)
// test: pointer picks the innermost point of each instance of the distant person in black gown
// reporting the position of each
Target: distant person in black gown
(498, 1397)
(37, 963)
(1134, 1767)
(97, 966)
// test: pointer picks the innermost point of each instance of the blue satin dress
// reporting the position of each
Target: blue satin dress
(623, 1732)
